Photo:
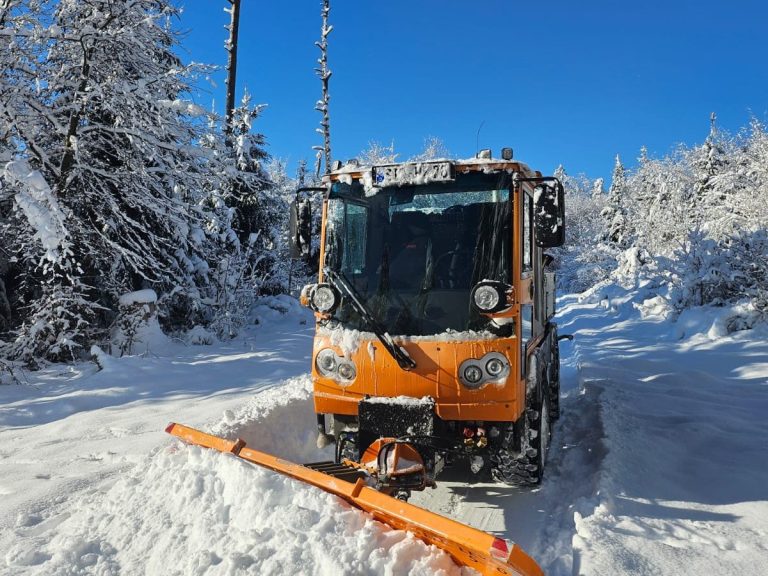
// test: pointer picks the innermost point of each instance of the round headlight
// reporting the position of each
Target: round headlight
(473, 374)
(486, 298)
(494, 367)
(324, 298)
(347, 370)
(326, 362)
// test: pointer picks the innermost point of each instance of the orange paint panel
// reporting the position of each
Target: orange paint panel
(435, 375)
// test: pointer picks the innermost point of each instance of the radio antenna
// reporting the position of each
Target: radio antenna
(477, 137)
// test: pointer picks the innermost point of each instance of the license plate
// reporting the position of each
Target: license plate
(410, 174)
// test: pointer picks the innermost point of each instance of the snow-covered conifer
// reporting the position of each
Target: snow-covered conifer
(615, 214)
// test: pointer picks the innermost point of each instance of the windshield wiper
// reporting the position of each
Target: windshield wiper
(340, 282)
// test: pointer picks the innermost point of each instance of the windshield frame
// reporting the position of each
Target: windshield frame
(498, 214)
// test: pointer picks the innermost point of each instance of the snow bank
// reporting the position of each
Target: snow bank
(269, 308)
(279, 420)
(681, 488)
(191, 511)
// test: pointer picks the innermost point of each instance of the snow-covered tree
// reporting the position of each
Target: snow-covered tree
(434, 148)
(378, 153)
(95, 101)
(585, 259)
(615, 213)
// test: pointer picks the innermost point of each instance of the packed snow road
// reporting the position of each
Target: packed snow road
(658, 463)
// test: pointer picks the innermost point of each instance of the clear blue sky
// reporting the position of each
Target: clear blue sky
(559, 81)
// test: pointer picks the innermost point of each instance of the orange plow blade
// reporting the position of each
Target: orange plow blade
(489, 555)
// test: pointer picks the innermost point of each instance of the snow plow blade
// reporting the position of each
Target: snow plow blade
(489, 555)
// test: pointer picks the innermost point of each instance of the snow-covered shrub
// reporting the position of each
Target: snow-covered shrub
(200, 336)
(712, 272)
(700, 217)
(586, 258)
(136, 321)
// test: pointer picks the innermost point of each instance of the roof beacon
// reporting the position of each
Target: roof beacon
(485, 154)
(506, 153)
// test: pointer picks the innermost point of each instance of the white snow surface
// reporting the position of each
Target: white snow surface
(147, 296)
(40, 207)
(349, 340)
(90, 484)
(402, 401)
(658, 463)
(183, 106)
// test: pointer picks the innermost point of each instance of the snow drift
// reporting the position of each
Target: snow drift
(189, 511)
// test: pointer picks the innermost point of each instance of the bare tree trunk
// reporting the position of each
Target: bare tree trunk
(231, 46)
(322, 106)
(78, 109)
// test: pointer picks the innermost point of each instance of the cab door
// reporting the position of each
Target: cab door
(532, 313)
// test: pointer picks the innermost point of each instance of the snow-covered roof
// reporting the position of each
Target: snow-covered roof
(357, 171)
(418, 173)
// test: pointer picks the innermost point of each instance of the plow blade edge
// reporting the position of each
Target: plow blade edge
(489, 555)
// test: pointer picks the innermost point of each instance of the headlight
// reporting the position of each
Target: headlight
(332, 366)
(324, 298)
(493, 367)
(326, 362)
(473, 374)
(486, 298)
(490, 296)
(347, 371)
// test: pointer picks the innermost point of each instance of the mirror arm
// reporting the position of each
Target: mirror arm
(517, 179)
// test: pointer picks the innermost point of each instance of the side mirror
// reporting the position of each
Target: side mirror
(549, 214)
(301, 228)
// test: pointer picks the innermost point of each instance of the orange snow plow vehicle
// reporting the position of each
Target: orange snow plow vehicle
(434, 344)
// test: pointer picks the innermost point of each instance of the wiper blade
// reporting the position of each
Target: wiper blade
(340, 282)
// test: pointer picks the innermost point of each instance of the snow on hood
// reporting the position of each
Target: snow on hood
(349, 340)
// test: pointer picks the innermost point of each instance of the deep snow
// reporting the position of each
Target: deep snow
(659, 464)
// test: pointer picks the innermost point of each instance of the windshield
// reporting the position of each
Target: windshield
(413, 254)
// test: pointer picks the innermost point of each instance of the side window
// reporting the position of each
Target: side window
(527, 233)
(526, 316)
(356, 227)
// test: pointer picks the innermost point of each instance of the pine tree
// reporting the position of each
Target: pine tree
(615, 213)
(95, 103)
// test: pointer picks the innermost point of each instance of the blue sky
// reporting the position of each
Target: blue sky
(562, 82)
